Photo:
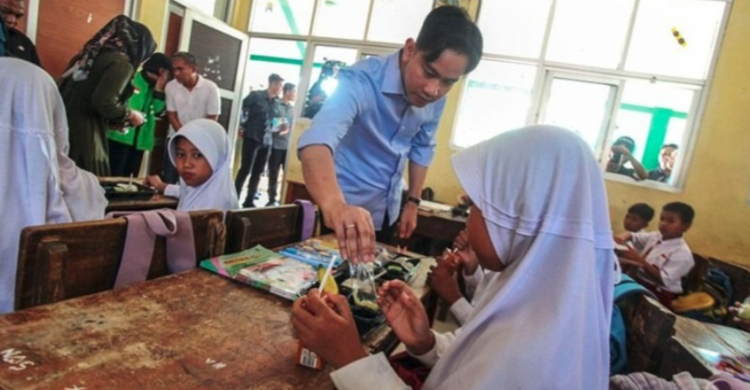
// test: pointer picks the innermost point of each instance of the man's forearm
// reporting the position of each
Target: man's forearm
(417, 177)
(320, 176)
(174, 121)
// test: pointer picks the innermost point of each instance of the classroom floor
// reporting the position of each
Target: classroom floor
(263, 189)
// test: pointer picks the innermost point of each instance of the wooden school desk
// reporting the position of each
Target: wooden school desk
(157, 202)
(194, 330)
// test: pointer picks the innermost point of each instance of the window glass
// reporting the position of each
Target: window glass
(655, 49)
(589, 32)
(341, 18)
(514, 28)
(269, 56)
(394, 21)
(282, 16)
(495, 99)
(327, 61)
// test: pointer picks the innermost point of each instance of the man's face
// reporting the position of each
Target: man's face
(290, 95)
(668, 156)
(184, 73)
(426, 82)
(275, 88)
(13, 11)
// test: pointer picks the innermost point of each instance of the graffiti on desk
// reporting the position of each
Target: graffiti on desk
(75, 387)
(16, 359)
(216, 365)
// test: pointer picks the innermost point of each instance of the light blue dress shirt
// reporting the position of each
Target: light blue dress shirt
(372, 131)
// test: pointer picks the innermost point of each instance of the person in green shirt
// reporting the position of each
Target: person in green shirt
(127, 145)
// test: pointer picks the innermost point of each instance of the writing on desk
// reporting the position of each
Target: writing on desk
(14, 357)
(216, 365)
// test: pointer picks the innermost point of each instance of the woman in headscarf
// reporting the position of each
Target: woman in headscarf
(40, 183)
(126, 148)
(201, 154)
(96, 88)
(540, 220)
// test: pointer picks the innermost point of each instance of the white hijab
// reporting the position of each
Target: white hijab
(40, 184)
(544, 322)
(218, 191)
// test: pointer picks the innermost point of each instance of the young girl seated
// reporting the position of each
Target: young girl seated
(200, 152)
(540, 216)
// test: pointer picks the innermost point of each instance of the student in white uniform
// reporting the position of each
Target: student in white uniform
(662, 258)
(540, 216)
(40, 184)
(201, 155)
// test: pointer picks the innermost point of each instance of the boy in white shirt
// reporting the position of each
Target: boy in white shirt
(638, 217)
(662, 257)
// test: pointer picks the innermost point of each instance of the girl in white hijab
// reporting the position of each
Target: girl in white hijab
(40, 184)
(200, 152)
(540, 216)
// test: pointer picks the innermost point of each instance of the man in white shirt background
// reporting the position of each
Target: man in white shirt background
(189, 97)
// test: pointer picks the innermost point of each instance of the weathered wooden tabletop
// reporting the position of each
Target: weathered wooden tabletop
(193, 330)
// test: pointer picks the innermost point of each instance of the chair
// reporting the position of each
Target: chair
(738, 274)
(271, 227)
(63, 261)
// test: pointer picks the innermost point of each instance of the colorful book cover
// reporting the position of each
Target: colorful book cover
(317, 251)
(266, 270)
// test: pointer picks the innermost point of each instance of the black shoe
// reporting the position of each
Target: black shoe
(250, 205)
(272, 203)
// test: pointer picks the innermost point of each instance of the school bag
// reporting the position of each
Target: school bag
(618, 345)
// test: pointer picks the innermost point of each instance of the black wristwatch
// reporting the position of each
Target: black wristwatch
(414, 200)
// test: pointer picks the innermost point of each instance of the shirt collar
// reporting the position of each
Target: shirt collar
(392, 82)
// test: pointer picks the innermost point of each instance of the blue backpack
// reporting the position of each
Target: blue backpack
(618, 345)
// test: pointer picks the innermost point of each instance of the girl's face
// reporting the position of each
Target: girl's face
(480, 241)
(192, 166)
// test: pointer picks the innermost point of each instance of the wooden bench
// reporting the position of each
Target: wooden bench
(58, 262)
(271, 227)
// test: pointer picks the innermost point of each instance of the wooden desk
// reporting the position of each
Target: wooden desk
(194, 330)
(439, 226)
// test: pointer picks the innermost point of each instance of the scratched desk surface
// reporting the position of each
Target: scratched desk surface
(193, 330)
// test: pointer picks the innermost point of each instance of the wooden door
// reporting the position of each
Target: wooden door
(64, 26)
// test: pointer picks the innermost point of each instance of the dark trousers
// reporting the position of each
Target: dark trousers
(124, 160)
(254, 156)
(275, 162)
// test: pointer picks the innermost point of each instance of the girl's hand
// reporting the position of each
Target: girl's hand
(407, 316)
(155, 181)
(326, 327)
(442, 279)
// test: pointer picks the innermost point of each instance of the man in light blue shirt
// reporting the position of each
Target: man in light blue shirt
(384, 112)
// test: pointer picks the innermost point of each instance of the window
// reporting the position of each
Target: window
(396, 20)
(341, 19)
(606, 70)
(497, 98)
(282, 16)
(267, 56)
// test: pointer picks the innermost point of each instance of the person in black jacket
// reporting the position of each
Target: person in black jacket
(17, 43)
(255, 144)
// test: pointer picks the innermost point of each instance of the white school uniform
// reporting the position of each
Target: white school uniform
(40, 184)
(672, 257)
(544, 322)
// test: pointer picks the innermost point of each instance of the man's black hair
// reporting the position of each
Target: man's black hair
(627, 142)
(288, 87)
(673, 146)
(684, 210)
(642, 210)
(274, 78)
(449, 28)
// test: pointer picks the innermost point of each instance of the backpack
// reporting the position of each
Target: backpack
(618, 345)
(717, 284)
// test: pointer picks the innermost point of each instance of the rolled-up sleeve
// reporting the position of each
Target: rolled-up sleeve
(337, 115)
(423, 143)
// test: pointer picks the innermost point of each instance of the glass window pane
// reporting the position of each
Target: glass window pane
(396, 20)
(514, 28)
(654, 115)
(205, 6)
(580, 106)
(589, 32)
(322, 84)
(282, 16)
(341, 18)
(268, 56)
(502, 89)
(654, 47)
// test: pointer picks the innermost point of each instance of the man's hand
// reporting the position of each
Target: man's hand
(354, 229)
(408, 221)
